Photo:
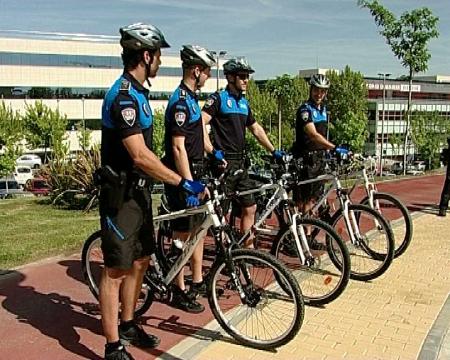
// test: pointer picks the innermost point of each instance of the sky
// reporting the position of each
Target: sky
(276, 36)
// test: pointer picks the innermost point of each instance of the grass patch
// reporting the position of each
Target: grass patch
(31, 229)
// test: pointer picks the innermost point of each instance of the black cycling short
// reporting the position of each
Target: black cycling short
(127, 233)
(176, 200)
(240, 182)
(314, 166)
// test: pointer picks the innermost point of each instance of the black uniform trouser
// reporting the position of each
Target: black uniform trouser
(445, 195)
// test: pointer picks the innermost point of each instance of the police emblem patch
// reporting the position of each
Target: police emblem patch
(180, 118)
(146, 109)
(129, 115)
(229, 103)
(304, 115)
(209, 102)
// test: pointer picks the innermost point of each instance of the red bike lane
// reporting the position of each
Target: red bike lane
(48, 312)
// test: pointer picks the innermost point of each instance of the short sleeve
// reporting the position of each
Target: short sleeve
(179, 118)
(303, 115)
(250, 119)
(212, 105)
(125, 115)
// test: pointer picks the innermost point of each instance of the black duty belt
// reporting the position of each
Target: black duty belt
(235, 156)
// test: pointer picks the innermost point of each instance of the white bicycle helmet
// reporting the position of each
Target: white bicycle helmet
(142, 36)
(319, 81)
(196, 55)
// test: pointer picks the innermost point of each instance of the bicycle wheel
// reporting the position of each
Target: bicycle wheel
(321, 279)
(92, 267)
(373, 251)
(263, 315)
(397, 216)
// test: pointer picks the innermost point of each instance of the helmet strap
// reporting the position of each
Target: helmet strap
(148, 69)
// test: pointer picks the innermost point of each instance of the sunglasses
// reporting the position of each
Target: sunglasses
(243, 76)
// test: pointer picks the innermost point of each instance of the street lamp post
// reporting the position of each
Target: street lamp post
(384, 75)
(83, 136)
(218, 55)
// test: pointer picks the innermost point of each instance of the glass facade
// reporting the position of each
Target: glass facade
(84, 61)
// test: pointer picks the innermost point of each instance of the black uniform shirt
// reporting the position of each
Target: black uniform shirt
(231, 115)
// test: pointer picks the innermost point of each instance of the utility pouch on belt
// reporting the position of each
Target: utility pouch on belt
(112, 186)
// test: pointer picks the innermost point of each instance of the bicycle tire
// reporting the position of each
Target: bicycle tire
(327, 271)
(263, 296)
(384, 259)
(400, 246)
(92, 277)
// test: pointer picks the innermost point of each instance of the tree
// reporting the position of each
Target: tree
(289, 93)
(429, 131)
(158, 133)
(408, 38)
(262, 103)
(10, 136)
(347, 104)
(45, 127)
(395, 140)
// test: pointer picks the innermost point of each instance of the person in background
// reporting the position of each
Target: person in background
(229, 114)
(184, 152)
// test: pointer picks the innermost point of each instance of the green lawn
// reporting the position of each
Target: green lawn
(33, 230)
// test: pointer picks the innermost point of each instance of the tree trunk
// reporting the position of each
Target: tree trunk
(408, 115)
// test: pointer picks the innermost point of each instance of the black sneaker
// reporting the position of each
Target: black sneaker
(197, 289)
(315, 245)
(136, 336)
(183, 301)
(118, 354)
(289, 249)
(442, 212)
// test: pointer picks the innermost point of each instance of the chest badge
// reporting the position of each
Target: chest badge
(229, 103)
(314, 114)
(146, 109)
(194, 109)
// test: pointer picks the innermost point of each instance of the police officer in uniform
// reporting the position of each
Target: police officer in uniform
(128, 163)
(229, 114)
(445, 195)
(311, 141)
(184, 153)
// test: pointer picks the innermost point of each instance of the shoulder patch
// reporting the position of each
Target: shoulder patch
(180, 118)
(125, 85)
(129, 115)
(209, 102)
(304, 115)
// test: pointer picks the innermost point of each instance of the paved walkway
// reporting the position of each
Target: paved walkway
(388, 318)
(47, 311)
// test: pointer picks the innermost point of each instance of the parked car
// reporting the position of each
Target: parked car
(22, 174)
(38, 186)
(419, 165)
(31, 160)
(9, 187)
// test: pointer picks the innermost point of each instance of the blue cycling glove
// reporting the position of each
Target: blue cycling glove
(192, 187)
(341, 150)
(192, 201)
(278, 154)
(218, 155)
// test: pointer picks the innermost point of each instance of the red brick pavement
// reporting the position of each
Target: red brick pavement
(48, 313)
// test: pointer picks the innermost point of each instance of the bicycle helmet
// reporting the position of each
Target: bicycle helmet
(236, 65)
(142, 36)
(196, 55)
(319, 81)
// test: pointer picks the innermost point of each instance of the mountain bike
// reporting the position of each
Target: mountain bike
(244, 291)
(390, 207)
(320, 279)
